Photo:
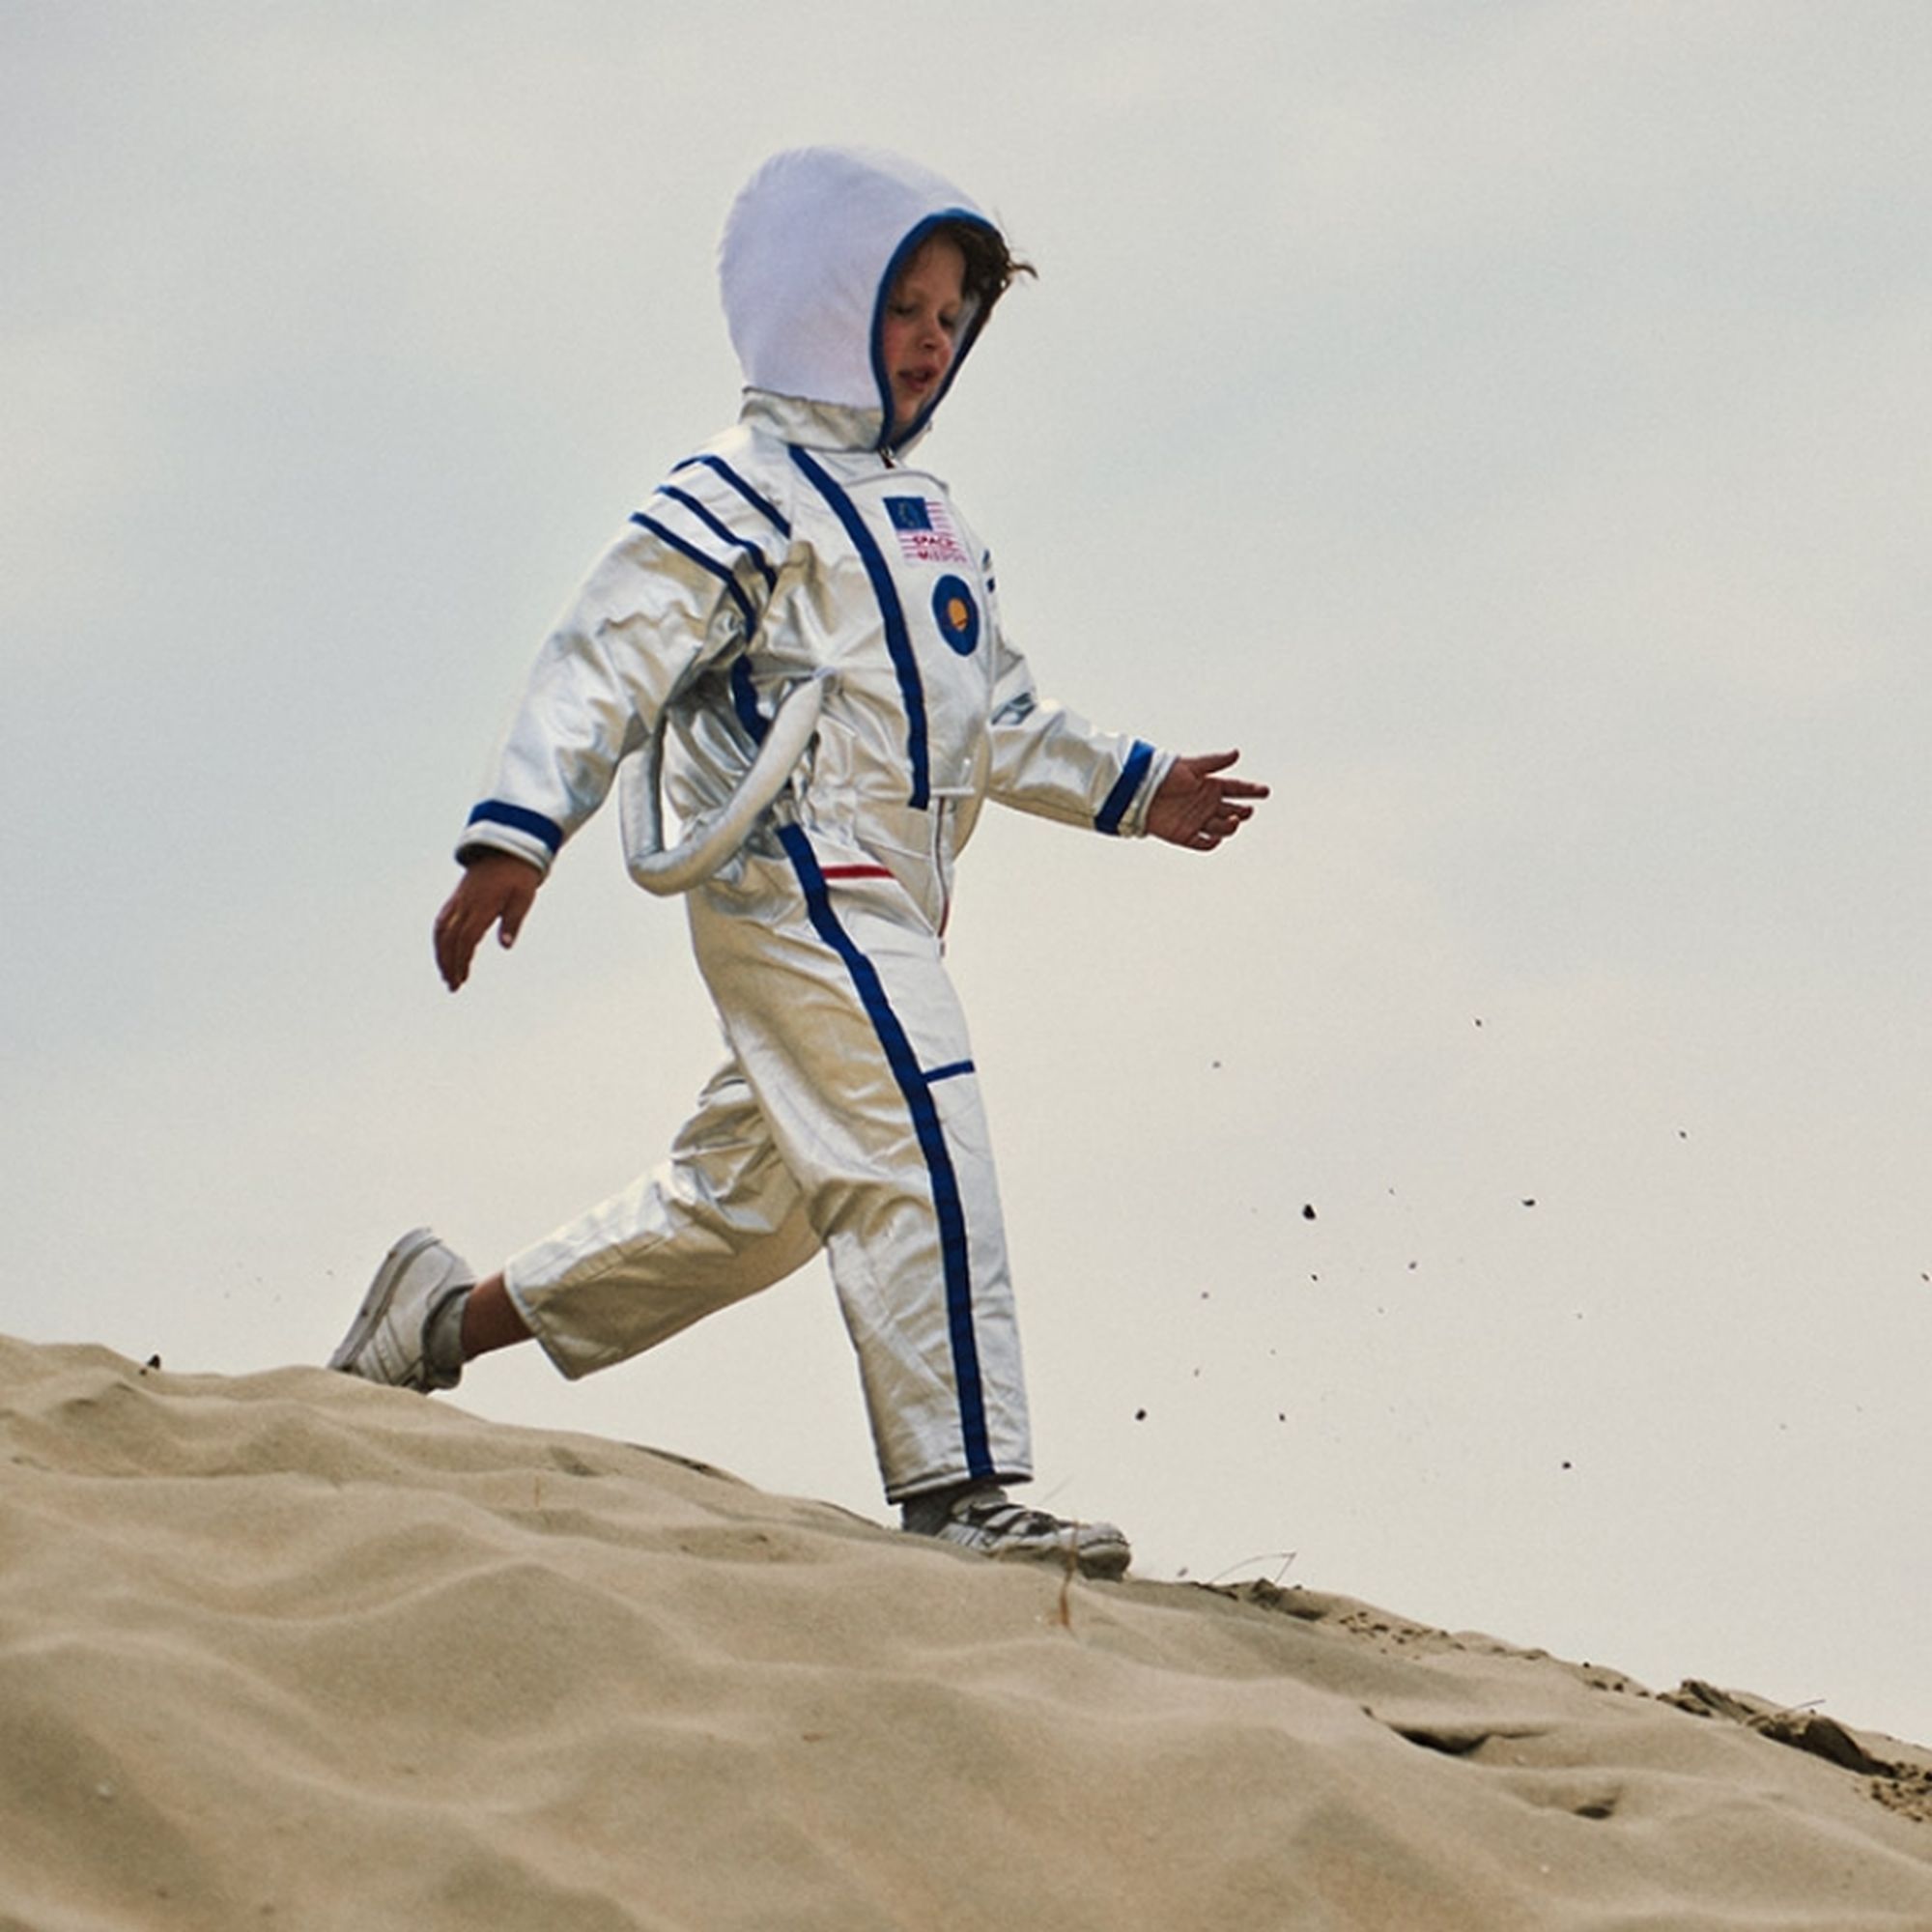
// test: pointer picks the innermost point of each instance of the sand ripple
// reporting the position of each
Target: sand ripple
(285, 1650)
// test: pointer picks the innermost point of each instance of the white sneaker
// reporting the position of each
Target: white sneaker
(387, 1342)
(989, 1521)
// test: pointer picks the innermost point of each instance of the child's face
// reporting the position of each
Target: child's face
(919, 329)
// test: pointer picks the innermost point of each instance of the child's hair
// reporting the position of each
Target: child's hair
(991, 266)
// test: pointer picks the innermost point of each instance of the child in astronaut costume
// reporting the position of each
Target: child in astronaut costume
(795, 590)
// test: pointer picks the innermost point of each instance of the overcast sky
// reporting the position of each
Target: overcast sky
(1509, 423)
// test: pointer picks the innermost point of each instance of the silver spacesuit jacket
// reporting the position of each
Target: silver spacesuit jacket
(801, 546)
(786, 549)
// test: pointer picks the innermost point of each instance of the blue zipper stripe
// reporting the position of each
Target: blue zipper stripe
(723, 531)
(899, 639)
(1125, 787)
(915, 1086)
(719, 468)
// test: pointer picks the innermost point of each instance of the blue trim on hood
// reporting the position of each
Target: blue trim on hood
(890, 436)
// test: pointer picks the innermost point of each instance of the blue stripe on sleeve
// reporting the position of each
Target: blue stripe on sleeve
(493, 812)
(724, 470)
(725, 531)
(744, 694)
(899, 639)
(955, 1254)
(720, 571)
(1125, 787)
(745, 702)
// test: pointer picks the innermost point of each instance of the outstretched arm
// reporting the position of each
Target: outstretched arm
(1196, 808)
(496, 890)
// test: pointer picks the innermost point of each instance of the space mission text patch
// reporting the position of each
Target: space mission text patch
(925, 529)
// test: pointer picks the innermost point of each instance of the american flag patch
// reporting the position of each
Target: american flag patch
(924, 530)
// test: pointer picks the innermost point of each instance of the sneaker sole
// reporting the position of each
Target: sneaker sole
(381, 1291)
(1106, 1562)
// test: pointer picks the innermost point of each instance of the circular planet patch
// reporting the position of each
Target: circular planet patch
(956, 614)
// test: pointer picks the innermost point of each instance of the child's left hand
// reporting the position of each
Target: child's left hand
(1196, 808)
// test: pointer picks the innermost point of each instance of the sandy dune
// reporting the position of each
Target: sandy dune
(290, 1651)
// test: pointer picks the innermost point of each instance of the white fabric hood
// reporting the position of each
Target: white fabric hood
(808, 253)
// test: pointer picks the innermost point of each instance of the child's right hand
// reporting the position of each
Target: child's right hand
(495, 889)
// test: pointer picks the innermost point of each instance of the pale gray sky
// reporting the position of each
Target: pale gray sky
(1508, 422)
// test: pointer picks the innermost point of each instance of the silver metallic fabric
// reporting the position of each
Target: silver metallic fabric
(847, 1115)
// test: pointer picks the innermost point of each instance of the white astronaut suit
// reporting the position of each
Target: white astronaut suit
(800, 549)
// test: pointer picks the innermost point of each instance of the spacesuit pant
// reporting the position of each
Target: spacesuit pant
(848, 1116)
